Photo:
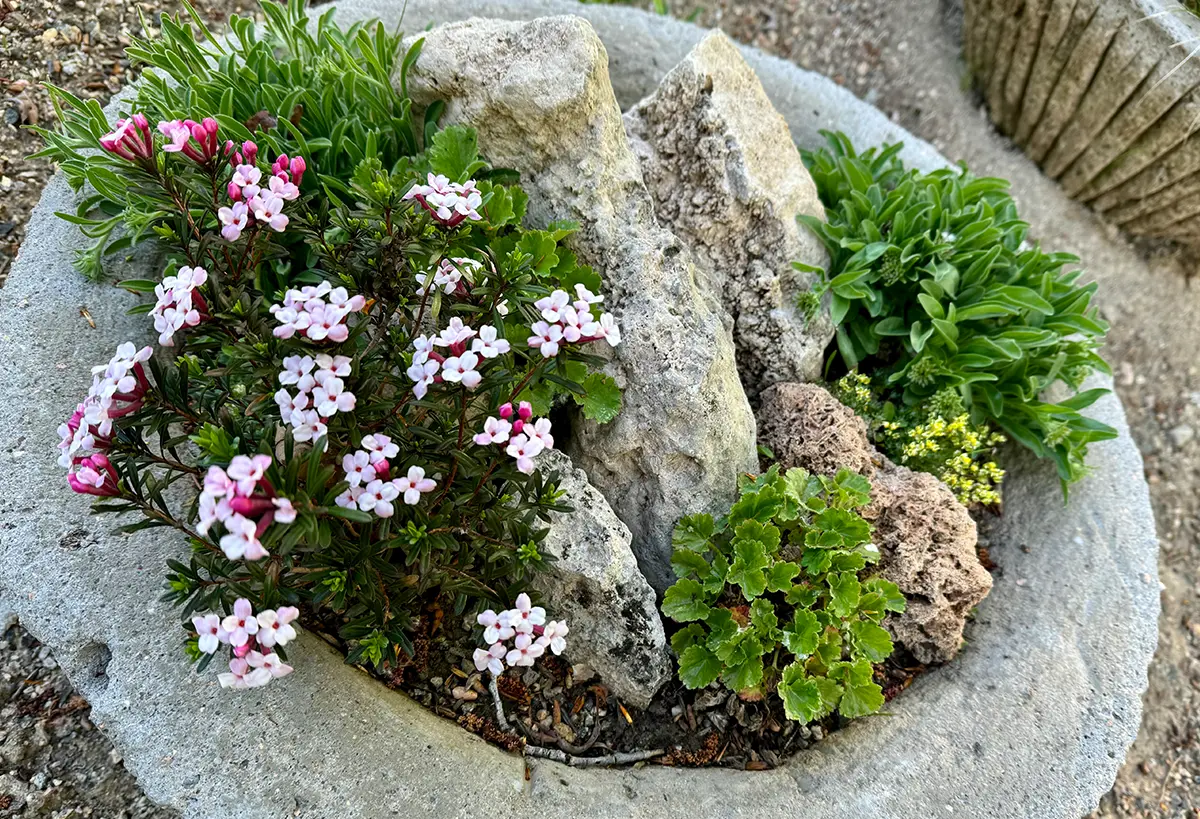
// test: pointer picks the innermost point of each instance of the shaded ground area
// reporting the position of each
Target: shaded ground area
(901, 56)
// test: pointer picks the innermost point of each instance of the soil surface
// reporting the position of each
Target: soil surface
(902, 56)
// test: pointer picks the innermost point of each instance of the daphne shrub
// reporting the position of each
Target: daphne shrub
(934, 288)
(346, 409)
(777, 596)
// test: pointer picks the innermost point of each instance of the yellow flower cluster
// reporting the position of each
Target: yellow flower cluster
(952, 449)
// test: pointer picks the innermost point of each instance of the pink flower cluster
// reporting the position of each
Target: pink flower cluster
(306, 311)
(179, 303)
(245, 633)
(448, 202)
(525, 437)
(567, 322)
(371, 487)
(130, 139)
(462, 365)
(235, 496)
(195, 140)
(263, 204)
(449, 276)
(320, 393)
(118, 388)
(526, 626)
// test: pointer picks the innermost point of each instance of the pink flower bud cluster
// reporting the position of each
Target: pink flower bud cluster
(118, 388)
(525, 437)
(253, 202)
(130, 139)
(320, 393)
(195, 140)
(234, 497)
(306, 311)
(567, 322)
(180, 303)
(526, 626)
(462, 365)
(368, 473)
(246, 633)
(450, 203)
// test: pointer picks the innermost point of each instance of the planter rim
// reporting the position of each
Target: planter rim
(1032, 719)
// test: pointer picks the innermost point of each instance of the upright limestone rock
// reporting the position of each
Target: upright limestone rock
(726, 177)
(540, 97)
(595, 585)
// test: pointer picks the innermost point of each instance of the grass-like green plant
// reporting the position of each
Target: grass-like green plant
(776, 598)
(318, 91)
(934, 287)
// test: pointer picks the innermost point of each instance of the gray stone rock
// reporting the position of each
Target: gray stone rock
(1047, 693)
(595, 585)
(686, 428)
(1182, 435)
(726, 177)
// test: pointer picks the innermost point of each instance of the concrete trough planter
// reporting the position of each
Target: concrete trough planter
(1032, 719)
(1102, 94)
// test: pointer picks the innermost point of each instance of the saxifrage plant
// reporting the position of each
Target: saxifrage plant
(934, 287)
(777, 596)
(340, 418)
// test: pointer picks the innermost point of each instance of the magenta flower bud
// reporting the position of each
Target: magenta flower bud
(297, 167)
(251, 152)
(210, 126)
(525, 412)
(235, 193)
(280, 164)
(382, 469)
(242, 650)
(506, 411)
(518, 425)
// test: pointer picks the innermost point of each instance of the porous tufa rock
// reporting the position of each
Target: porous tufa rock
(594, 584)
(925, 537)
(539, 95)
(726, 178)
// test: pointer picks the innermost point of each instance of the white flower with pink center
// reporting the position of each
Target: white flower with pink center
(377, 497)
(554, 636)
(380, 447)
(551, 306)
(282, 188)
(241, 676)
(268, 209)
(488, 345)
(525, 651)
(271, 663)
(208, 627)
(495, 626)
(241, 625)
(242, 540)
(492, 659)
(233, 220)
(546, 337)
(495, 431)
(413, 485)
(541, 433)
(423, 375)
(308, 426)
(524, 449)
(462, 369)
(247, 471)
(358, 469)
(455, 333)
(275, 626)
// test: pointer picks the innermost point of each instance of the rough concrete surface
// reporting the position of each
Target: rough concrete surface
(1040, 675)
(1104, 95)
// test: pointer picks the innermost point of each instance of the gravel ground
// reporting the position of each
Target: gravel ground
(901, 56)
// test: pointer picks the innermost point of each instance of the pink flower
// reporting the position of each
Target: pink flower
(349, 498)
(285, 512)
(541, 432)
(524, 616)
(377, 496)
(270, 663)
(247, 176)
(456, 333)
(177, 133)
(495, 431)
(94, 475)
(269, 210)
(241, 625)
(491, 660)
(546, 337)
(380, 447)
(552, 306)
(130, 139)
(423, 375)
(413, 485)
(210, 631)
(358, 468)
(524, 449)
(296, 370)
(608, 330)
(248, 471)
(241, 542)
(462, 369)
(554, 636)
(448, 202)
(234, 220)
(487, 345)
(495, 626)
(331, 397)
(584, 298)
(525, 651)
(308, 426)
(240, 677)
(280, 187)
(274, 626)
(325, 321)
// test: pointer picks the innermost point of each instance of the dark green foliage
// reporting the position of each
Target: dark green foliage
(934, 286)
(784, 573)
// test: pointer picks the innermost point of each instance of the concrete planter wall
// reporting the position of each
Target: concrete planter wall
(1103, 95)
(1032, 719)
